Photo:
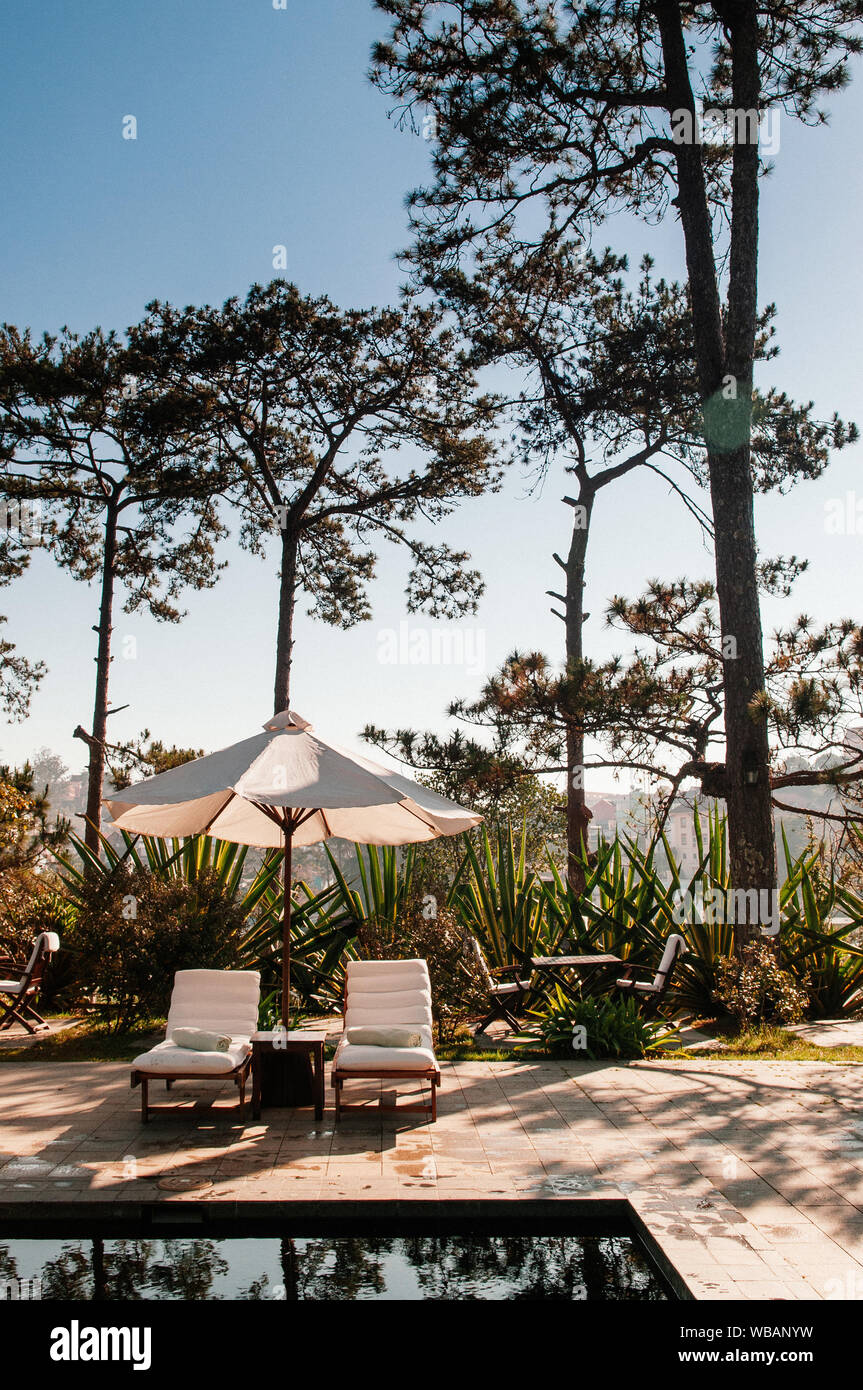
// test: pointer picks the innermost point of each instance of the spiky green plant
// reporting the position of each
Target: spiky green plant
(632, 902)
(500, 901)
(595, 1027)
(382, 888)
(186, 859)
(319, 931)
(326, 926)
(813, 943)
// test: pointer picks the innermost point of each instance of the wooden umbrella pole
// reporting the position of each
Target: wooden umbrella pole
(286, 922)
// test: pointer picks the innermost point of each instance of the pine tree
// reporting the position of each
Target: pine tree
(551, 117)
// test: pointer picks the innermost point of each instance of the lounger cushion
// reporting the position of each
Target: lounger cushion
(167, 1057)
(221, 1001)
(385, 1010)
(359, 1058)
(387, 994)
(379, 977)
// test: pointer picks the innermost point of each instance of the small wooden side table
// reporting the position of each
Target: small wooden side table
(276, 1043)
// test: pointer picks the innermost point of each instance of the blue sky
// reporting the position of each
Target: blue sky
(257, 127)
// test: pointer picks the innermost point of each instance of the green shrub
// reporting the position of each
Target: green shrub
(755, 989)
(134, 929)
(600, 1026)
(29, 906)
(429, 931)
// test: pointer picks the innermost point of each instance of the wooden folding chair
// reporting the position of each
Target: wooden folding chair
(22, 991)
(650, 993)
(506, 997)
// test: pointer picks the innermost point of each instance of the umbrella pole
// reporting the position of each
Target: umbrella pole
(286, 924)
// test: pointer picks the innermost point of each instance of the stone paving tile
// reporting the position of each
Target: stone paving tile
(748, 1177)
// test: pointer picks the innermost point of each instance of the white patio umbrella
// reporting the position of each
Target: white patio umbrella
(285, 787)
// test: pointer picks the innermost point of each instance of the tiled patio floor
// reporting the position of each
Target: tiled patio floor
(748, 1177)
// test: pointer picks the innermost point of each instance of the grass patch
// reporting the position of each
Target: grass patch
(86, 1041)
(772, 1044)
(464, 1052)
(768, 1044)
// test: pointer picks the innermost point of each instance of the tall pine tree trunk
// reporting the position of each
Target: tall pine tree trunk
(99, 732)
(725, 356)
(577, 813)
(285, 638)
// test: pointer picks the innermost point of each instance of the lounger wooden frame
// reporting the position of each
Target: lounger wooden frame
(432, 1074)
(338, 1079)
(239, 1075)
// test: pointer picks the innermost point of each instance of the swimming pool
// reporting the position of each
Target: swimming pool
(414, 1264)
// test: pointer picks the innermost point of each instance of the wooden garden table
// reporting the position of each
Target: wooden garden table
(551, 966)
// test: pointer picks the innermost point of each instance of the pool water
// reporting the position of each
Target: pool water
(332, 1268)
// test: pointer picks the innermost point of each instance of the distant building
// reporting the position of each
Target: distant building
(604, 823)
(69, 797)
(680, 832)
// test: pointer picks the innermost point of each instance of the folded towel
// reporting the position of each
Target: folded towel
(384, 1037)
(199, 1040)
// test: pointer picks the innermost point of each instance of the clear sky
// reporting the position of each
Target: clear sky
(257, 127)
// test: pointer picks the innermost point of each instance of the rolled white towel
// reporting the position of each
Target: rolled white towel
(384, 1037)
(200, 1040)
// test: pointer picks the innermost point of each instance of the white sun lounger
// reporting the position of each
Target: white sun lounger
(220, 1001)
(384, 994)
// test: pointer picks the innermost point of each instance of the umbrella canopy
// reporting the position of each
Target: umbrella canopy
(285, 787)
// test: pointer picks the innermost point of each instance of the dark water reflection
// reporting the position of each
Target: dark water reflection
(332, 1268)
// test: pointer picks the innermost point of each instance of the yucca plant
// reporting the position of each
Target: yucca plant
(330, 927)
(696, 909)
(631, 905)
(616, 913)
(319, 932)
(185, 859)
(500, 901)
(813, 944)
(142, 913)
(382, 889)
